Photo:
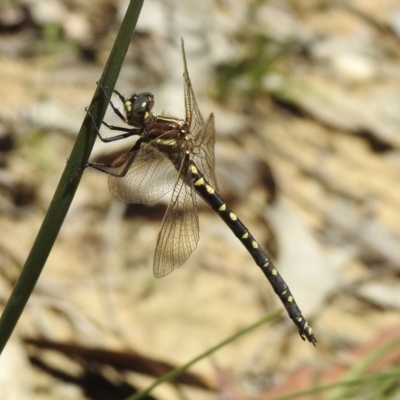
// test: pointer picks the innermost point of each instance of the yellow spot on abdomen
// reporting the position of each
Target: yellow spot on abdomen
(290, 299)
(245, 236)
(193, 169)
(266, 265)
(233, 216)
(274, 271)
(222, 208)
(255, 244)
(210, 189)
(199, 182)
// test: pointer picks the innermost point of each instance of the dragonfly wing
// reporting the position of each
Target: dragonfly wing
(142, 176)
(179, 232)
(203, 153)
(202, 134)
(193, 114)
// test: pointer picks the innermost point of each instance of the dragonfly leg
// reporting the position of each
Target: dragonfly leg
(115, 109)
(128, 131)
(114, 169)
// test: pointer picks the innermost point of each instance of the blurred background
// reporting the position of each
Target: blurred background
(306, 97)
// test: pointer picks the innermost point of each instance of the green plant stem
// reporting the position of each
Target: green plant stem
(365, 380)
(178, 371)
(69, 181)
(359, 368)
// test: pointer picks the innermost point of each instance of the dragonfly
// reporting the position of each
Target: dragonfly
(177, 155)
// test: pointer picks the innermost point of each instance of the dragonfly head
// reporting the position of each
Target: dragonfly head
(138, 107)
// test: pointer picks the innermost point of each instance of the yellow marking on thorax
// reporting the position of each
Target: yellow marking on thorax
(222, 208)
(180, 122)
(233, 216)
(199, 182)
(128, 106)
(166, 142)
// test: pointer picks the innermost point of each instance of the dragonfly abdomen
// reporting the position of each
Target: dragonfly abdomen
(215, 201)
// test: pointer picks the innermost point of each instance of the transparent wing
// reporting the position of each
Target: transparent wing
(179, 232)
(203, 152)
(202, 134)
(193, 114)
(142, 176)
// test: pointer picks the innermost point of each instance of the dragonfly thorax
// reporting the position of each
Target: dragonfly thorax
(165, 132)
